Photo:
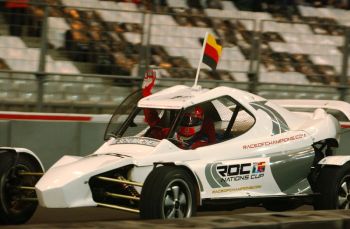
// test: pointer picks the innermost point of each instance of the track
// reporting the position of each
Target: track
(51, 216)
(255, 218)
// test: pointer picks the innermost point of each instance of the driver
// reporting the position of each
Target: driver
(196, 130)
(151, 115)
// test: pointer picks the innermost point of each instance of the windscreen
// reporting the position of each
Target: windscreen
(121, 114)
(149, 122)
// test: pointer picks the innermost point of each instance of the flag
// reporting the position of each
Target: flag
(212, 52)
(210, 55)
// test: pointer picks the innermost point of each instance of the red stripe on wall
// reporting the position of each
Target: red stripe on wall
(45, 117)
(345, 126)
(211, 52)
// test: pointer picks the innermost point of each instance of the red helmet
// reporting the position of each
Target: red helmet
(191, 123)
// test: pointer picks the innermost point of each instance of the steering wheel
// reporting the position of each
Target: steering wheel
(178, 143)
(153, 131)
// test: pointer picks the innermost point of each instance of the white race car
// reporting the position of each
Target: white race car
(263, 155)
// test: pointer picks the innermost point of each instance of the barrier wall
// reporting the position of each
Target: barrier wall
(51, 140)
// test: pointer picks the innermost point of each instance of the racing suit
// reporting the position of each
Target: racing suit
(204, 137)
(151, 115)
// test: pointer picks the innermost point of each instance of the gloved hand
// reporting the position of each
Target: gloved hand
(148, 82)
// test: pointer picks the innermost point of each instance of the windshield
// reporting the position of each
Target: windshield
(121, 113)
(145, 122)
(129, 120)
(207, 123)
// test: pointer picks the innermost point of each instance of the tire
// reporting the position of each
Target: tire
(168, 192)
(334, 187)
(13, 208)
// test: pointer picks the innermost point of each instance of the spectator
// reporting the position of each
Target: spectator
(77, 42)
(35, 19)
(103, 59)
(194, 4)
(17, 15)
(215, 4)
(3, 64)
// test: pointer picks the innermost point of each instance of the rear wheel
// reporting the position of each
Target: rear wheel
(17, 195)
(334, 187)
(168, 193)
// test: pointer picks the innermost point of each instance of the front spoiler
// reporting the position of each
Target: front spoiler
(66, 185)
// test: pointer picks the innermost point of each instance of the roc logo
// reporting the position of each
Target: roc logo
(218, 175)
(258, 167)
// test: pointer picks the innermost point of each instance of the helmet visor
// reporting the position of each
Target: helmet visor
(190, 121)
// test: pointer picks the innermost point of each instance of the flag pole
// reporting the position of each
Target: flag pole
(200, 61)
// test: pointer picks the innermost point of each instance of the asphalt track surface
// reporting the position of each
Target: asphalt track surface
(74, 215)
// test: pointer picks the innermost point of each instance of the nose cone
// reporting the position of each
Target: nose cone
(72, 194)
(67, 185)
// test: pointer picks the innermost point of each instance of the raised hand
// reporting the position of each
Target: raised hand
(148, 82)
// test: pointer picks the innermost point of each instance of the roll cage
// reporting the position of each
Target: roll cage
(225, 111)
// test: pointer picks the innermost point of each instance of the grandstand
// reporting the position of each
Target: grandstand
(87, 55)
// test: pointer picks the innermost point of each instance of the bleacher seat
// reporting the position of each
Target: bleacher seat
(235, 66)
(340, 15)
(159, 19)
(97, 93)
(302, 48)
(177, 4)
(133, 38)
(283, 78)
(59, 66)
(113, 30)
(285, 27)
(119, 16)
(5, 84)
(27, 91)
(117, 94)
(228, 5)
(73, 92)
(240, 77)
(11, 41)
(53, 92)
(82, 3)
(292, 37)
(57, 27)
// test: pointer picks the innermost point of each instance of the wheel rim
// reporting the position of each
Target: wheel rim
(12, 195)
(344, 193)
(177, 200)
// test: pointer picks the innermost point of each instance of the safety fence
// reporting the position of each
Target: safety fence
(86, 56)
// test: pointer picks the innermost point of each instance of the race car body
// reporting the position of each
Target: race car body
(263, 154)
(250, 162)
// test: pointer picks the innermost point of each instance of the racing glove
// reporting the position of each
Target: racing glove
(148, 82)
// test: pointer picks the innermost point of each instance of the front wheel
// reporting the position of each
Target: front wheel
(17, 195)
(168, 193)
(334, 187)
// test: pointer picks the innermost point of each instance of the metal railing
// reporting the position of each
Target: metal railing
(82, 48)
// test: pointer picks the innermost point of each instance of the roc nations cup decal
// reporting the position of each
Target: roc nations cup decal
(219, 175)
